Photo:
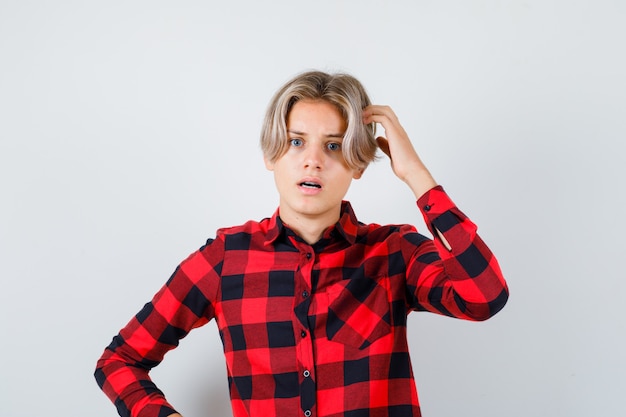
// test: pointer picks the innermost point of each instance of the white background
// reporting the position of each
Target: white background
(128, 135)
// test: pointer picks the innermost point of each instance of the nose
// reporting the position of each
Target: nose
(314, 157)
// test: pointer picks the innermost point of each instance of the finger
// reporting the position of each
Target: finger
(378, 109)
(379, 112)
(386, 120)
(377, 118)
(372, 110)
(383, 144)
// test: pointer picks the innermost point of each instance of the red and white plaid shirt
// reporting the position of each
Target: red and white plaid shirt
(310, 330)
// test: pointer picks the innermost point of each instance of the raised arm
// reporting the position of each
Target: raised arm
(456, 274)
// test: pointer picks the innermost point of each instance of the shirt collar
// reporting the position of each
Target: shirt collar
(347, 226)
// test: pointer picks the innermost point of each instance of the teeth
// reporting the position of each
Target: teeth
(311, 184)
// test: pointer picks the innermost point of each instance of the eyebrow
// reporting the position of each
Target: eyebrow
(330, 135)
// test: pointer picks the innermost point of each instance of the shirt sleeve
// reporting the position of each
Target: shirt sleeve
(461, 279)
(185, 302)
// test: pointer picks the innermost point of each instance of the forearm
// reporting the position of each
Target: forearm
(419, 179)
(463, 279)
(127, 383)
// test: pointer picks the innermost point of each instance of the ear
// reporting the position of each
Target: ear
(357, 173)
(268, 164)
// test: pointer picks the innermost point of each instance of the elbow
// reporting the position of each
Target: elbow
(100, 374)
(100, 377)
(489, 309)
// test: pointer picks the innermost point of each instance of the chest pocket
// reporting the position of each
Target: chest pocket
(359, 311)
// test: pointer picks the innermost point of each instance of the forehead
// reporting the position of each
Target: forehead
(316, 114)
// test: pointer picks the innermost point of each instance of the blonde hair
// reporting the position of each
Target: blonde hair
(342, 90)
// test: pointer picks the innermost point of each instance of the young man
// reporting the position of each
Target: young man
(312, 304)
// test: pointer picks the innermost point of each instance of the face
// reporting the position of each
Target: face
(312, 176)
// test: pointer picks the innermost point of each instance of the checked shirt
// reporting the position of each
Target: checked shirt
(310, 330)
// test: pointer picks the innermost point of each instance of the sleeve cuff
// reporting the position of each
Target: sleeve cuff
(435, 202)
(443, 218)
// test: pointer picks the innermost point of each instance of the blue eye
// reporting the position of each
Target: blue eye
(333, 146)
(295, 142)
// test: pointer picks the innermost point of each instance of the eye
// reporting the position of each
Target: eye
(295, 142)
(333, 146)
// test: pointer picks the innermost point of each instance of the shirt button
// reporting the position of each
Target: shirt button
(307, 413)
(306, 373)
(426, 207)
(308, 255)
(305, 294)
(303, 333)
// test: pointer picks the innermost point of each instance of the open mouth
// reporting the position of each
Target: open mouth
(309, 184)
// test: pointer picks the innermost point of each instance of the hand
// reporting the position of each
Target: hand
(405, 162)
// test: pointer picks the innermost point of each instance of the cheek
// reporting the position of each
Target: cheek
(282, 173)
(345, 180)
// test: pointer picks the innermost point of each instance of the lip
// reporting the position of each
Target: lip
(310, 190)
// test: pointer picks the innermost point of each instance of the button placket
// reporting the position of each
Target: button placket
(305, 347)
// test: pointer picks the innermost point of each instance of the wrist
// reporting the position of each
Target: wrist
(420, 181)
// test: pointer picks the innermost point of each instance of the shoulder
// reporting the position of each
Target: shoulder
(377, 232)
(244, 236)
(249, 227)
(371, 233)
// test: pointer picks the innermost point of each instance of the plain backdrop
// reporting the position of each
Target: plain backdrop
(129, 134)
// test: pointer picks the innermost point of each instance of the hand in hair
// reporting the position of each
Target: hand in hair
(405, 162)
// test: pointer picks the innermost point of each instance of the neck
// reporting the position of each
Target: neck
(311, 229)
(309, 236)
